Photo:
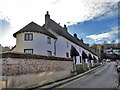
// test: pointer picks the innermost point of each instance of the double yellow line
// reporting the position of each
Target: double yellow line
(64, 85)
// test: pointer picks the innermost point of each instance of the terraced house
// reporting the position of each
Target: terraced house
(53, 40)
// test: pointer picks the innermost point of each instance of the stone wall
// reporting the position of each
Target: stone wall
(22, 70)
(17, 66)
(25, 72)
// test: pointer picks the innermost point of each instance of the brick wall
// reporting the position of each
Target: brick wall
(17, 66)
(25, 71)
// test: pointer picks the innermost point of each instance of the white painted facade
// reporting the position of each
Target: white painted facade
(38, 44)
(59, 47)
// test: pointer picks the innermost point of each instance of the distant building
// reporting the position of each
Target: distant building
(4, 49)
(112, 49)
(53, 40)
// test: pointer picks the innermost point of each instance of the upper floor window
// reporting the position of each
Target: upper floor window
(48, 40)
(67, 44)
(28, 37)
(30, 51)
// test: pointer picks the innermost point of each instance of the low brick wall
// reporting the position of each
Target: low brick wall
(21, 63)
(15, 66)
(24, 72)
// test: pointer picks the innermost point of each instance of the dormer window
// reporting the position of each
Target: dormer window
(48, 40)
(28, 37)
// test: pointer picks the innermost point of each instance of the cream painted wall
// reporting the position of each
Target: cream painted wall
(38, 44)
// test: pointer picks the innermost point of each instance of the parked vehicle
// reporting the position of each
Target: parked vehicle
(118, 66)
(108, 60)
(116, 62)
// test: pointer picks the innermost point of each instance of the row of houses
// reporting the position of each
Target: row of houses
(53, 40)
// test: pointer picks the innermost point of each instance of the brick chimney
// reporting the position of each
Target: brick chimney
(75, 35)
(65, 27)
(47, 17)
(82, 39)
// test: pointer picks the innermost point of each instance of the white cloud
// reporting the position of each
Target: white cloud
(105, 36)
(21, 12)
(108, 15)
(63, 11)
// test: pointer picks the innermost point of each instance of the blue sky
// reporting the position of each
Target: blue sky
(99, 29)
(93, 20)
(96, 27)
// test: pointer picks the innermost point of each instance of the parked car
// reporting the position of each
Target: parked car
(118, 66)
(116, 62)
(108, 60)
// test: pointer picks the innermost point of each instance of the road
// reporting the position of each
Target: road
(103, 77)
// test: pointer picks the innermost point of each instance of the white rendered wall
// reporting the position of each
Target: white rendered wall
(62, 49)
(38, 44)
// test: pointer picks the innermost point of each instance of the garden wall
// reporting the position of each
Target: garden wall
(24, 70)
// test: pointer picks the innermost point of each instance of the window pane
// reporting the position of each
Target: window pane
(30, 51)
(67, 54)
(67, 44)
(80, 59)
(49, 53)
(28, 36)
(48, 40)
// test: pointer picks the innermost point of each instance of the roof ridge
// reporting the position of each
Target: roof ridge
(60, 30)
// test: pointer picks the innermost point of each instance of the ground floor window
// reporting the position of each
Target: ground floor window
(29, 51)
(80, 59)
(67, 54)
(49, 53)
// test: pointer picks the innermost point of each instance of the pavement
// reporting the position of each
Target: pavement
(55, 84)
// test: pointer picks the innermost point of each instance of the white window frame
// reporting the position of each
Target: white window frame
(28, 36)
(29, 51)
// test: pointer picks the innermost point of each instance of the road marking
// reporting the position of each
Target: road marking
(3, 84)
(71, 82)
(41, 83)
(50, 73)
(41, 74)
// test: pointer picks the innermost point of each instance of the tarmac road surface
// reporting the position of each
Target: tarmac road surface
(103, 77)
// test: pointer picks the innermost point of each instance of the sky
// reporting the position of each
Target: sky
(95, 21)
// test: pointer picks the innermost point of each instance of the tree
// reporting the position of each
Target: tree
(105, 42)
(5, 49)
(113, 42)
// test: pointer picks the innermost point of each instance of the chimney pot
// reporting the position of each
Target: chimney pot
(47, 17)
(75, 35)
(82, 39)
(65, 27)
